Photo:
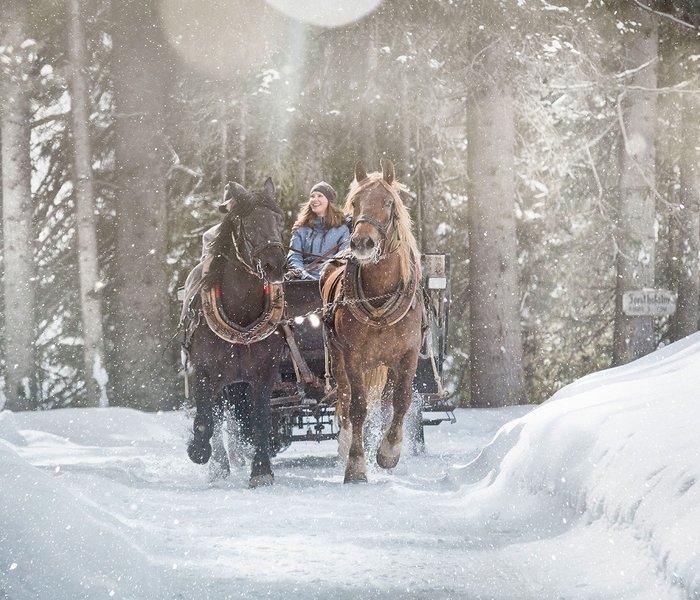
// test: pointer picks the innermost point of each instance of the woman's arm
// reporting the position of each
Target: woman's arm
(295, 258)
(344, 238)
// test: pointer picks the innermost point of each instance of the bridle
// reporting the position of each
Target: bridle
(382, 228)
(248, 253)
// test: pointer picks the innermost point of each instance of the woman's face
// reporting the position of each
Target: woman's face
(318, 203)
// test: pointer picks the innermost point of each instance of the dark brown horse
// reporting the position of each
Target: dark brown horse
(232, 304)
(374, 329)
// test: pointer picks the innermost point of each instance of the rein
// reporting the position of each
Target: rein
(318, 262)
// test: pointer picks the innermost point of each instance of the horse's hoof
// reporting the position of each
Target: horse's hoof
(355, 478)
(199, 453)
(261, 481)
(218, 470)
(388, 455)
(387, 462)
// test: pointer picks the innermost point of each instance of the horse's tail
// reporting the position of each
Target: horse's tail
(375, 380)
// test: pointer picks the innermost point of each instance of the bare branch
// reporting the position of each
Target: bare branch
(664, 15)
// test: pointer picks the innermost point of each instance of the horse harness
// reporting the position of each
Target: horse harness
(344, 288)
(264, 326)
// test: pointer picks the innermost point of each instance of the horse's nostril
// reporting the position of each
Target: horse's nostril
(363, 243)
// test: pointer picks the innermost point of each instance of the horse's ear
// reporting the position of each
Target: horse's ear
(232, 192)
(237, 190)
(388, 171)
(269, 187)
(360, 172)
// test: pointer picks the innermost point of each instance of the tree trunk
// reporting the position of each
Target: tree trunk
(497, 376)
(633, 335)
(368, 125)
(242, 141)
(91, 309)
(20, 300)
(685, 321)
(142, 328)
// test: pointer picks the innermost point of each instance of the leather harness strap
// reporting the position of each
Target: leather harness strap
(296, 355)
(390, 313)
(331, 294)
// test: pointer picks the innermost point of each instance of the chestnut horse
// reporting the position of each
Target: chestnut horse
(233, 302)
(374, 321)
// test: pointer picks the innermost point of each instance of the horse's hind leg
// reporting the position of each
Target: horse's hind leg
(199, 448)
(400, 380)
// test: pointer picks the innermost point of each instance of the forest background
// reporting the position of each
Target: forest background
(551, 148)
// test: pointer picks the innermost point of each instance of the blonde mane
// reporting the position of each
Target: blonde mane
(404, 243)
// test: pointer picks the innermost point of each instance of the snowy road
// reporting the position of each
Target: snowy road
(411, 533)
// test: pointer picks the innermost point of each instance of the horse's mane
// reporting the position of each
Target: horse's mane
(219, 251)
(405, 242)
(222, 246)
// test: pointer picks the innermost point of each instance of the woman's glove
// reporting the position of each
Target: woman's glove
(297, 274)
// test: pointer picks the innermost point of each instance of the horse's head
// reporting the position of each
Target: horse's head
(258, 220)
(373, 212)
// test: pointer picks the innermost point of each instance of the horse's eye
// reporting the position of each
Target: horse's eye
(388, 203)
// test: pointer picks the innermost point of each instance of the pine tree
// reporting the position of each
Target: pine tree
(18, 52)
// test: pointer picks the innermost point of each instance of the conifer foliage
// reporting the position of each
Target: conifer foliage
(549, 148)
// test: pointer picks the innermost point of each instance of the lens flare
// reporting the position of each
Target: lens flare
(325, 13)
(224, 38)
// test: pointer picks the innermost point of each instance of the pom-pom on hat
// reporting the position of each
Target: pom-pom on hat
(326, 189)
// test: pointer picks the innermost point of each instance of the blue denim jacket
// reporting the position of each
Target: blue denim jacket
(317, 240)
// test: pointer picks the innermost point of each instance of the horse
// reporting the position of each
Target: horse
(233, 303)
(374, 316)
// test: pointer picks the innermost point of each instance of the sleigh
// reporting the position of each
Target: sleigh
(303, 403)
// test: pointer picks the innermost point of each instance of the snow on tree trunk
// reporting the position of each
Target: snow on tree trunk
(142, 375)
(497, 376)
(687, 266)
(634, 335)
(91, 309)
(18, 281)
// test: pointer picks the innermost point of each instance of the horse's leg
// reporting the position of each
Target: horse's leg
(379, 408)
(219, 466)
(401, 378)
(239, 437)
(199, 448)
(356, 467)
(261, 468)
(342, 404)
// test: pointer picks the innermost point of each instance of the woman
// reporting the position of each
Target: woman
(319, 233)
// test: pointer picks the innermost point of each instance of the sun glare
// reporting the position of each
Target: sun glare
(325, 13)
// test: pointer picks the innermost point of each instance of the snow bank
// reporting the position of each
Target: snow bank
(619, 446)
(54, 545)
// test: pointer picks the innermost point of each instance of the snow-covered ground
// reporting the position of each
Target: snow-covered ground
(592, 495)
